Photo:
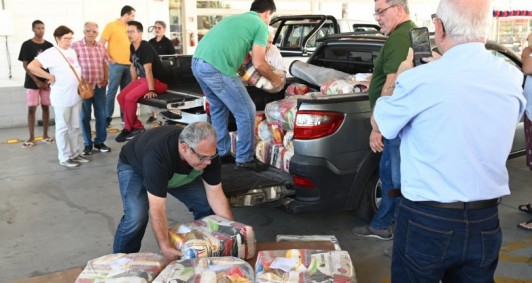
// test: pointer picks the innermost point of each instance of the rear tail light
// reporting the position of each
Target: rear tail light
(316, 124)
(207, 107)
(303, 182)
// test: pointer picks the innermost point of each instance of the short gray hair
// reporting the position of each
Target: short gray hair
(403, 3)
(90, 23)
(196, 132)
(465, 24)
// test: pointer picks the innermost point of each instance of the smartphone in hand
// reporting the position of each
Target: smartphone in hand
(420, 42)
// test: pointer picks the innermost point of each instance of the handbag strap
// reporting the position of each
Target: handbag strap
(71, 68)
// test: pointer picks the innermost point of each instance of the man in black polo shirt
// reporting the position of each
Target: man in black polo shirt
(183, 163)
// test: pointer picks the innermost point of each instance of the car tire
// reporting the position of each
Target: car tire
(371, 197)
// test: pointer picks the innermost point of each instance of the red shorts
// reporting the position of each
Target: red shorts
(33, 96)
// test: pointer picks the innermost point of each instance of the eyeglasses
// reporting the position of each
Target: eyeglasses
(203, 157)
(381, 12)
(91, 31)
(435, 16)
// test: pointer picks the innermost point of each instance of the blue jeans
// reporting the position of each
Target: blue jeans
(227, 94)
(133, 223)
(98, 100)
(390, 174)
(119, 75)
(452, 245)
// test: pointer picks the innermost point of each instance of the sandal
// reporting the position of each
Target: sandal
(527, 225)
(48, 140)
(28, 144)
(526, 208)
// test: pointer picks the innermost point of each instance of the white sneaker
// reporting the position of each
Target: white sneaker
(80, 159)
(69, 163)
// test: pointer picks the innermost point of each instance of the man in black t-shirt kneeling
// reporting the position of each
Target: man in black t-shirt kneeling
(183, 163)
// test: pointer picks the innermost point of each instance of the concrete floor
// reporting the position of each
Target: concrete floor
(53, 218)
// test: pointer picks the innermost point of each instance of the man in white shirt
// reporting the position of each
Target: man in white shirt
(456, 117)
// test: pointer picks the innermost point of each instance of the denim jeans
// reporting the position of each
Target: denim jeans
(132, 226)
(452, 245)
(119, 75)
(98, 100)
(390, 174)
(227, 94)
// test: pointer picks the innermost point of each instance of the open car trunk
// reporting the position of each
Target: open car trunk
(247, 188)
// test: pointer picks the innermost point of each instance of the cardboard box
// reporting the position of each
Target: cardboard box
(66, 276)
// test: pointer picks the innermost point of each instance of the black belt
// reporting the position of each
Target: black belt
(479, 204)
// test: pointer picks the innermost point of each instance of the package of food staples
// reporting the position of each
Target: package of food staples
(193, 243)
(282, 111)
(122, 268)
(296, 89)
(252, 77)
(304, 266)
(208, 270)
(242, 235)
(262, 151)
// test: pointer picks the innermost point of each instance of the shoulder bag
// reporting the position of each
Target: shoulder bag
(85, 90)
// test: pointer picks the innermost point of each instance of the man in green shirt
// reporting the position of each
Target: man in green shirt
(215, 64)
(394, 19)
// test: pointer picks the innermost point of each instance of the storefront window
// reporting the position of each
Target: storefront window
(175, 25)
(512, 32)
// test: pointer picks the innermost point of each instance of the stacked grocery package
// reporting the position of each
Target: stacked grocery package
(213, 236)
(130, 268)
(275, 132)
(302, 265)
(330, 80)
(208, 270)
(274, 145)
(350, 84)
(215, 249)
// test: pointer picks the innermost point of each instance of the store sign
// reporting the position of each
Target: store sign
(513, 13)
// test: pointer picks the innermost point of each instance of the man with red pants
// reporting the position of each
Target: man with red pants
(147, 80)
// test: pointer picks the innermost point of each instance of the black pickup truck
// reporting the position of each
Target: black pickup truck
(333, 167)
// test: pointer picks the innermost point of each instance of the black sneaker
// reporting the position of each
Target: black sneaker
(228, 159)
(370, 232)
(108, 121)
(151, 119)
(87, 150)
(101, 147)
(133, 133)
(122, 136)
(254, 165)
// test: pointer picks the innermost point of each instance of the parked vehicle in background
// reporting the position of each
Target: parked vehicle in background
(298, 36)
(333, 167)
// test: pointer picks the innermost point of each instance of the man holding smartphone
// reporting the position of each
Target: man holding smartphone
(457, 117)
(394, 19)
